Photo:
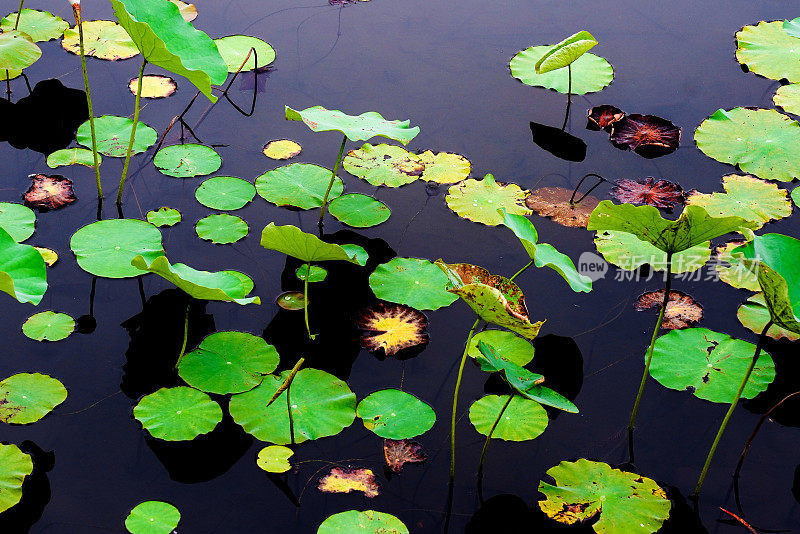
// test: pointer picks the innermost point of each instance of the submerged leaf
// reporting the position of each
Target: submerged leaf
(359, 211)
(480, 200)
(106, 248)
(647, 135)
(554, 202)
(754, 315)
(301, 185)
(355, 127)
(659, 193)
(274, 459)
(103, 39)
(27, 397)
(768, 50)
(415, 282)
(177, 414)
(153, 86)
(752, 199)
(682, 310)
(400, 452)
(366, 522)
(235, 48)
(292, 241)
(48, 326)
(49, 192)
(23, 274)
(383, 164)
(523, 419)
(113, 135)
(164, 216)
(603, 117)
(15, 465)
(187, 160)
(444, 167)
(345, 480)
(391, 328)
(221, 228)
(38, 25)
(282, 149)
(152, 517)
(590, 73)
(395, 414)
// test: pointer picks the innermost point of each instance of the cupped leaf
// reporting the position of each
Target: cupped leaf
(523, 419)
(23, 273)
(384, 164)
(225, 193)
(152, 517)
(628, 252)
(411, 281)
(48, 326)
(391, 328)
(769, 50)
(395, 414)
(103, 39)
(221, 228)
(355, 127)
(301, 185)
(17, 220)
(164, 216)
(27, 397)
(274, 459)
(366, 522)
(747, 197)
(590, 73)
(113, 135)
(106, 248)
(15, 465)
(754, 315)
(507, 345)
(788, 98)
(39, 25)
(566, 52)
(444, 167)
(314, 273)
(72, 156)
(480, 200)
(17, 51)
(186, 161)
(292, 241)
(153, 86)
(235, 48)
(177, 414)
(359, 211)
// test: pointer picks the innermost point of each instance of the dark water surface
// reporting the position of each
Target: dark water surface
(444, 66)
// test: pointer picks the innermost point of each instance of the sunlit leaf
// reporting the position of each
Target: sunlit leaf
(565, 52)
(282, 149)
(48, 326)
(15, 465)
(221, 228)
(17, 51)
(27, 397)
(737, 273)
(187, 160)
(682, 310)
(788, 98)
(444, 167)
(397, 453)
(49, 192)
(359, 211)
(17, 220)
(391, 328)
(152, 517)
(72, 156)
(49, 256)
(628, 252)
(23, 274)
(39, 25)
(274, 459)
(355, 127)
(292, 241)
(523, 419)
(225, 193)
(480, 200)
(301, 185)
(554, 202)
(395, 414)
(188, 11)
(384, 164)
(234, 48)
(291, 300)
(507, 345)
(590, 73)
(314, 273)
(106, 248)
(366, 522)
(164, 216)
(103, 39)
(747, 197)
(177, 414)
(153, 86)
(768, 50)
(754, 315)
(415, 282)
(113, 135)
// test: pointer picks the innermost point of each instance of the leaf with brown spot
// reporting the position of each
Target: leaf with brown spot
(347, 480)
(603, 117)
(403, 451)
(682, 310)
(49, 192)
(647, 135)
(392, 328)
(554, 202)
(659, 193)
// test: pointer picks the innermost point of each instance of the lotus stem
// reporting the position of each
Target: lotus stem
(516, 274)
(288, 382)
(76, 10)
(569, 96)
(330, 185)
(305, 301)
(600, 180)
(133, 133)
(291, 421)
(455, 402)
(19, 12)
(185, 335)
(761, 338)
(486, 447)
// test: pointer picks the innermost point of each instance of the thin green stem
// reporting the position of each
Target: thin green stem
(455, 402)
(761, 338)
(19, 12)
(333, 179)
(79, 23)
(287, 382)
(133, 133)
(486, 447)
(291, 419)
(525, 268)
(185, 336)
(305, 301)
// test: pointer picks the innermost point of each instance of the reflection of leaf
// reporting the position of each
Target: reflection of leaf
(681, 311)
(392, 328)
(347, 480)
(356, 127)
(479, 200)
(400, 452)
(747, 197)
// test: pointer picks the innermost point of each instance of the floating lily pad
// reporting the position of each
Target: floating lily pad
(626, 502)
(106, 248)
(400, 452)
(767, 49)
(17, 220)
(113, 135)
(709, 364)
(603, 117)
(792, 27)
(366, 522)
(395, 414)
(274, 459)
(659, 193)
(554, 202)
(763, 142)
(221, 228)
(103, 39)
(384, 164)
(282, 149)
(48, 326)
(411, 281)
(27, 397)
(177, 414)
(22, 271)
(391, 328)
(49, 256)
(306, 247)
(225, 193)
(72, 156)
(796, 196)
(291, 300)
(301, 185)
(186, 161)
(647, 135)
(523, 419)
(49, 192)
(628, 252)
(355, 127)
(322, 405)
(747, 197)
(754, 314)
(188, 11)
(17, 51)
(788, 98)
(39, 25)
(349, 479)
(359, 211)
(444, 167)
(590, 73)
(682, 310)
(506, 345)
(228, 362)
(152, 517)
(479, 200)
(15, 465)
(737, 273)
(153, 86)
(164, 216)
(314, 273)
(234, 48)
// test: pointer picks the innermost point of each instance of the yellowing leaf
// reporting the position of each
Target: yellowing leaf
(347, 480)
(391, 327)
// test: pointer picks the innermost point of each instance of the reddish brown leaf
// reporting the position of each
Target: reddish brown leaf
(658, 193)
(647, 135)
(554, 202)
(391, 327)
(49, 192)
(347, 480)
(682, 310)
(603, 117)
(399, 452)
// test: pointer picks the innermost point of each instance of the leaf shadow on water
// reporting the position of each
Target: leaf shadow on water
(787, 381)
(558, 142)
(35, 492)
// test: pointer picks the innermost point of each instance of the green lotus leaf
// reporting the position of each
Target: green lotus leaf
(590, 73)
(395, 414)
(17, 220)
(494, 298)
(709, 364)
(523, 419)
(507, 345)
(15, 465)
(301, 185)
(177, 414)
(411, 281)
(291, 300)
(225, 193)
(17, 51)
(168, 41)
(566, 52)
(383, 164)
(796, 196)
(792, 27)
(359, 211)
(187, 161)
(737, 273)
(274, 459)
(228, 362)
(754, 314)
(768, 50)
(48, 326)
(39, 25)
(164, 216)
(152, 517)
(313, 273)
(763, 142)
(113, 135)
(227, 286)
(9, 74)
(366, 522)
(103, 39)
(294, 242)
(221, 228)
(747, 197)
(234, 48)
(444, 167)
(106, 248)
(23, 273)
(27, 397)
(322, 405)
(72, 156)
(481, 200)
(355, 127)
(628, 252)
(788, 98)
(626, 502)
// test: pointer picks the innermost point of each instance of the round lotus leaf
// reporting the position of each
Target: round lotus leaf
(274, 459)
(788, 98)
(763, 142)
(507, 345)
(301, 185)
(444, 167)
(754, 314)
(359, 211)
(106, 248)
(523, 419)
(480, 200)
(15, 465)
(313, 273)
(177, 414)
(709, 364)
(627, 502)
(17, 51)
(366, 522)
(39, 25)
(282, 149)
(225, 193)
(113, 135)
(164, 216)
(103, 39)
(291, 300)
(747, 197)
(628, 252)
(153, 86)
(395, 414)
(72, 156)
(590, 73)
(767, 49)
(27, 397)
(152, 517)
(228, 362)
(17, 220)
(411, 281)
(48, 326)
(221, 228)
(188, 160)
(322, 405)
(383, 164)
(49, 256)
(234, 48)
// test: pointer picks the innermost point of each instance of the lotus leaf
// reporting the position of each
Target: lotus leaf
(359, 211)
(796, 196)
(15, 465)
(628, 252)
(113, 135)
(225, 193)
(763, 142)
(322, 405)
(411, 281)
(400, 452)
(152, 517)
(788, 98)
(355, 127)
(737, 273)
(313, 273)
(103, 39)
(227, 286)
(659, 193)
(301, 185)
(153, 86)
(9, 74)
(49, 256)
(566, 52)
(366, 522)
(186, 161)
(507, 345)
(164, 216)
(444, 167)
(292, 241)
(17, 220)
(106, 248)
(709, 364)
(681, 311)
(383, 164)
(188, 11)
(228, 362)
(590, 73)
(39, 25)
(768, 50)
(27, 397)
(274, 459)
(349, 479)
(747, 197)
(168, 41)
(602, 117)
(49, 192)
(754, 314)
(291, 300)
(480, 200)
(395, 414)
(17, 51)
(221, 228)
(234, 48)
(625, 501)
(792, 27)
(391, 328)
(177, 414)
(556, 203)
(282, 149)
(523, 419)
(72, 156)
(22, 270)
(647, 135)
(48, 326)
